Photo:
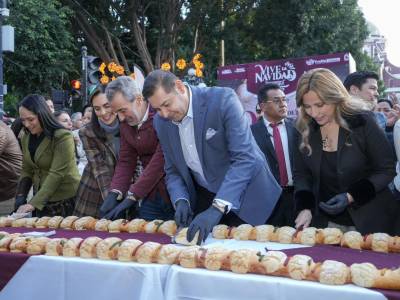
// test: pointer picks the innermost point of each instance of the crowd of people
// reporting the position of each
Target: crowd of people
(169, 150)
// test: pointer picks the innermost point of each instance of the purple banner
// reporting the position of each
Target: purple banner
(246, 79)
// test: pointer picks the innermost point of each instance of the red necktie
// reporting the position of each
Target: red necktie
(280, 155)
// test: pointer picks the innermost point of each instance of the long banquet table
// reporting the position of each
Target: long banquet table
(43, 277)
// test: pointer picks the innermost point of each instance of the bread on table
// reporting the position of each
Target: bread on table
(243, 232)
(55, 246)
(37, 245)
(168, 228)
(394, 245)
(273, 262)
(19, 222)
(367, 275)
(71, 247)
(181, 238)
(217, 258)
(334, 273)
(102, 225)
(136, 225)
(148, 252)
(88, 247)
(378, 242)
(264, 233)
(68, 222)
(169, 254)
(55, 222)
(188, 257)
(6, 221)
(19, 244)
(306, 236)
(285, 234)
(42, 222)
(84, 223)
(332, 236)
(300, 267)
(108, 248)
(120, 225)
(388, 279)
(353, 240)
(220, 232)
(153, 226)
(30, 222)
(127, 250)
(243, 261)
(6, 239)
(364, 274)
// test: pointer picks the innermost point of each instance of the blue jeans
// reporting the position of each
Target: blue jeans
(157, 208)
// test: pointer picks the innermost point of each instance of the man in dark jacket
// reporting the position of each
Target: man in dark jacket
(139, 174)
(274, 135)
(10, 168)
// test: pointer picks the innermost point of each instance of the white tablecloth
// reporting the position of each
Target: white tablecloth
(58, 278)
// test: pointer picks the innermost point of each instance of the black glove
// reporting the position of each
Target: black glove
(335, 205)
(183, 213)
(19, 200)
(204, 223)
(119, 210)
(109, 203)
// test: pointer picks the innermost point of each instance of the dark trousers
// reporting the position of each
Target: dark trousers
(204, 201)
(283, 213)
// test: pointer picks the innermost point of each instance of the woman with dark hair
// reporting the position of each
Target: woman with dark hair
(342, 161)
(101, 142)
(48, 162)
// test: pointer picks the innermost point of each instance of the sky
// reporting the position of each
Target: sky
(384, 14)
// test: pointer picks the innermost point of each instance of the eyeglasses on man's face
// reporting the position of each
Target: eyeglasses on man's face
(276, 100)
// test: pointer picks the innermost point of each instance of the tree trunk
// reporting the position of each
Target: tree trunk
(111, 46)
(123, 58)
(92, 37)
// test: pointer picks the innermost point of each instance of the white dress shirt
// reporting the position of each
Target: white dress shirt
(285, 145)
(188, 143)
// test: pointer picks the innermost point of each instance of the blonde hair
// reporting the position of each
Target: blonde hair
(329, 90)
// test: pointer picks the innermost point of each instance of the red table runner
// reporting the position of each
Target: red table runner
(10, 263)
(348, 256)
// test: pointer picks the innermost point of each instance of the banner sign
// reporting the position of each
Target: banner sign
(247, 79)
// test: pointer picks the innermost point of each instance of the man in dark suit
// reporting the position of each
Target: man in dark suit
(214, 168)
(274, 135)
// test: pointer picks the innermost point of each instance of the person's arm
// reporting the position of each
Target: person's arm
(381, 164)
(95, 159)
(240, 148)
(63, 154)
(126, 165)
(396, 138)
(150, 177)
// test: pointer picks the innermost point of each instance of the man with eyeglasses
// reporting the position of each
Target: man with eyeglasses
(274, 135)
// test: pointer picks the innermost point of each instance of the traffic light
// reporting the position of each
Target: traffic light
(75, 90)
(93, 73)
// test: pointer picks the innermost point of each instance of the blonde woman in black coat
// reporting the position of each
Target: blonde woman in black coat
(343, 162)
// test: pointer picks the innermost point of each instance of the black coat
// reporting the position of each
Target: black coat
(263, 139)
(365, 167)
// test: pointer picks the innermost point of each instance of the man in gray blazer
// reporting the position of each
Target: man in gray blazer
(214, 168)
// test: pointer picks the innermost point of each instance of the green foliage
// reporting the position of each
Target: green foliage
(10, 104)
(44, 47)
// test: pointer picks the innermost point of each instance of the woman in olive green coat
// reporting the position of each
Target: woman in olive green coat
(48, 162)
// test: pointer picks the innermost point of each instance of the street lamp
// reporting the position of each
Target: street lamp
(4, 12)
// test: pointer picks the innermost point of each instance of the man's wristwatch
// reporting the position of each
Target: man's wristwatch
(223, 208)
